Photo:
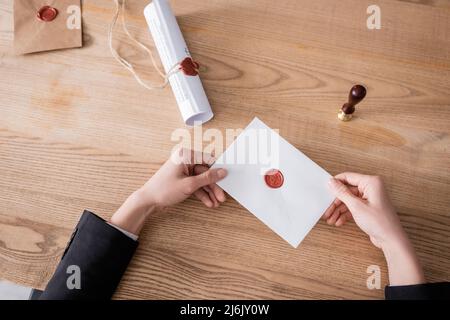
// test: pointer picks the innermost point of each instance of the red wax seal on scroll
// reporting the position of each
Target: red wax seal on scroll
(47, 13)
(274, 178)
(189, 66)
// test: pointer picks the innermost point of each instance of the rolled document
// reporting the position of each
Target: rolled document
(188, 90)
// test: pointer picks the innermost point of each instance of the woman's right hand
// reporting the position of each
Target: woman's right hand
(365, 199)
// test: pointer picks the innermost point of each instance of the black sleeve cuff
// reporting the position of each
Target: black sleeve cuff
(102, 254)
(426, 291)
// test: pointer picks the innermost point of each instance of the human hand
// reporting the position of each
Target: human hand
(364, 199)
(186, 173)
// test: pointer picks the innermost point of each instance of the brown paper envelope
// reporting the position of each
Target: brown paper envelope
(34, 35)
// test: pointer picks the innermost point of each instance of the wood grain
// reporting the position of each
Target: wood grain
(77, 132)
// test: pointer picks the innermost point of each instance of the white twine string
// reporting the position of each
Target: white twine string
(125, 63)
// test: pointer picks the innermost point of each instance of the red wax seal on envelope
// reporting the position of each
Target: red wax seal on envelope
(274, 178)
(47, 13)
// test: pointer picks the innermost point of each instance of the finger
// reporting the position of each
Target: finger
(211, 196)
(329, 211)
(352, 178)
(334, 205)
(218, 192)
(334, 217)
(208, 177)
(203, 196)
(342, 219)
(199, 169)
(343, 193)
(338, 211)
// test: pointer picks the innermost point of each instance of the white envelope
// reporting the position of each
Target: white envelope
(291, 210)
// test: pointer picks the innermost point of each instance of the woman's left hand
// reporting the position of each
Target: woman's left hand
(186, 173)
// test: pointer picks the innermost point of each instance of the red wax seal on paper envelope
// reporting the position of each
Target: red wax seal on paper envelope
(274, 178)
(189, 66)
(47, 13)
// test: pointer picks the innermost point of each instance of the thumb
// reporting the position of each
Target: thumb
(208, 177)
(343, 193)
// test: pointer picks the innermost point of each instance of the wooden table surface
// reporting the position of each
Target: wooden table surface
(76, 132)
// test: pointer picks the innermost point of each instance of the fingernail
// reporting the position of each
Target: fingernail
(332, 182)
(221, 173)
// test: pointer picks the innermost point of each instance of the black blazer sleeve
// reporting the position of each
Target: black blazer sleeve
(426, 291)
(102, 254)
